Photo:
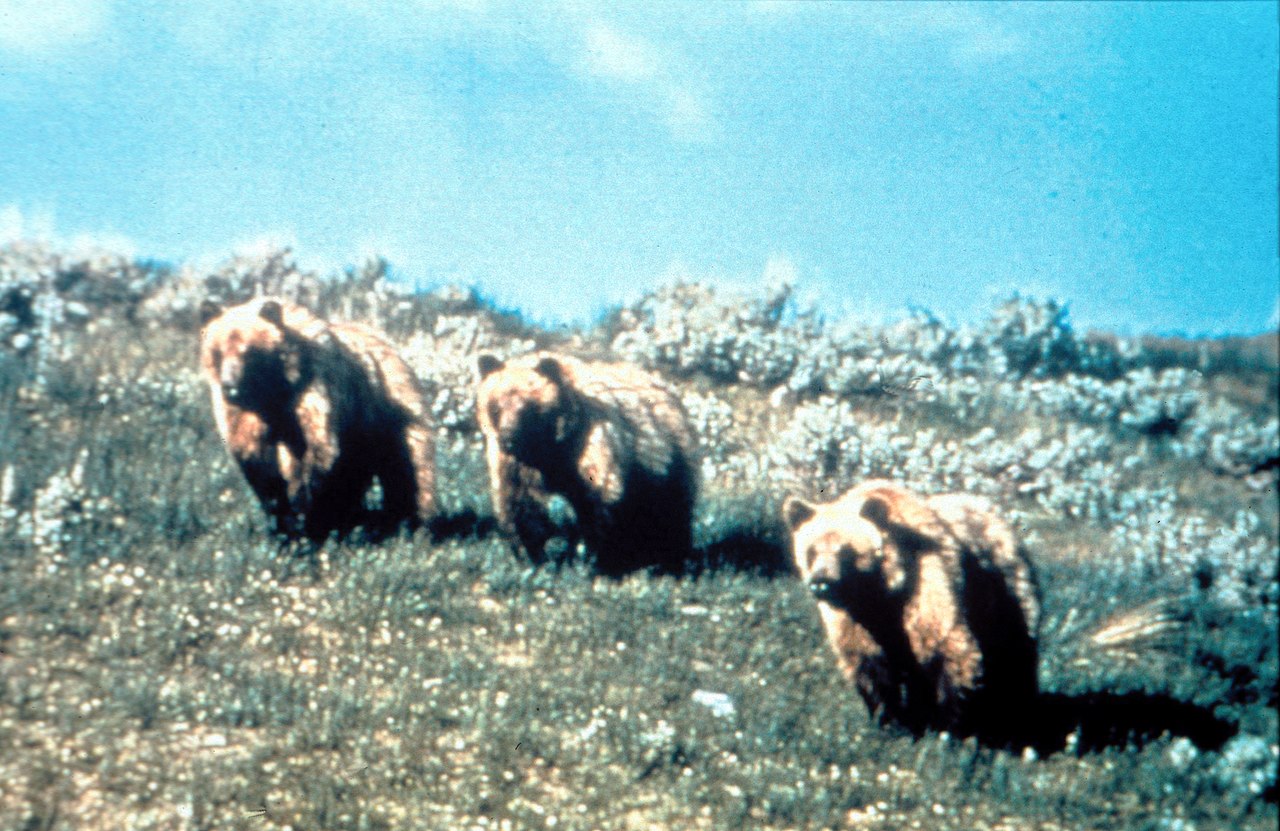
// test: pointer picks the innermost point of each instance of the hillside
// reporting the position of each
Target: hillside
(164, 664)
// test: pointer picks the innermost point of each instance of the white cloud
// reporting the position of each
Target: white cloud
(614, 55)
(85, 244)
(17, 224)
(982, 45)
(253, 247)
(576, 38)
(780, 269)
(976, 34)
(689, 116)
(658, 78)
(453, 5)
(778, 7)
(10, 224)
(265, 244)
(40, 27)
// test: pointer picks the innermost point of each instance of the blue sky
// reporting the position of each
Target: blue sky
(1120, 157)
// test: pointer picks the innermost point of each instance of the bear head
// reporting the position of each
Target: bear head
(861, 548)
(256, 360)
(526, 405)
(838, 553)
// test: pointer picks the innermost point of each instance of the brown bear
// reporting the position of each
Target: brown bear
(610, 439)
(312, 411)
(929, 603)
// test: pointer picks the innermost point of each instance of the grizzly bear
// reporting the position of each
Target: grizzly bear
(929, 604)
(313, 411)
(611, 440)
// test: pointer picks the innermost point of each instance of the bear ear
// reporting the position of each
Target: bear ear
(488, 364)
(877, 511)
(272, 313)
(551, 369)
(905, 524)
(796, 512)
(209, 309)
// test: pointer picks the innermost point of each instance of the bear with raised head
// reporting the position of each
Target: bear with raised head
(929, 604)
(313, 411)
(610, 439)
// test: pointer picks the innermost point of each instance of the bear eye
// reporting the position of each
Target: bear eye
(495, 412)
(217, 356)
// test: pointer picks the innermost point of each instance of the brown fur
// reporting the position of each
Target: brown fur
(611, 439)
(928, 603)
(312, 411)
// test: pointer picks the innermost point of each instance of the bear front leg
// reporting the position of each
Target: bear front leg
(245, 435)
(863, 662)
(325, 486)
(337, 502)
(521, 509)
(599, 467)
(272, 491)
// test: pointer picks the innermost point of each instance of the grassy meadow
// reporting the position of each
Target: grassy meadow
(164, 664)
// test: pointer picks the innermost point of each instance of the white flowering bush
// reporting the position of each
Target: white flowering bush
(243, 276)
(712, 420)
(1072, 472)
(1248, 763)
(832, 446)
(848, 361)
(1224, 438)
(1233, 562)
(1142, 400)
(164, 657)
(689, 328)
(1032, 339)
(61, 513)
(48, 299)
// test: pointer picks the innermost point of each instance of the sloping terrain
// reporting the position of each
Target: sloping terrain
(164, 664)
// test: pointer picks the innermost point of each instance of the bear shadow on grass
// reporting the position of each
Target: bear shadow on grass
(748, 538)
(761, 550)
(1094, 721)
(463, 524)
(373, 527)
(747, 550)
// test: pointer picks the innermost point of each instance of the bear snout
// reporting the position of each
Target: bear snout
(822, 587)
(508, 441)
(234, 388)
(229, 380)
(526, 436)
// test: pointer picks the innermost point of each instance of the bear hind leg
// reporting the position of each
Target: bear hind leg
(406, 476)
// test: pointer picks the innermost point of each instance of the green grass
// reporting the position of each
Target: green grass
(418, 686)
(164, 665)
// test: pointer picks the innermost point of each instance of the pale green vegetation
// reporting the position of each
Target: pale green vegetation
(164, 664)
